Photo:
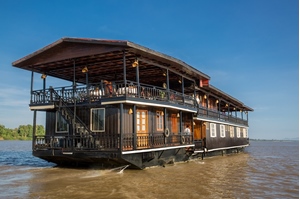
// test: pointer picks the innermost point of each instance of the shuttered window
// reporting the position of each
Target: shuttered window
(213, 130)
(231, 129)
(238, 132)
(222, 131)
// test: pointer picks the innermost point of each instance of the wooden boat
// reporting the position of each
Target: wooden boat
(128, 105)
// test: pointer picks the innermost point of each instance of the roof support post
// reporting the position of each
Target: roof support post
(134, 128)
(138, 80)
(228, 110)
(121, 127)
(34, 130)
(44, 90)
(219, 108)
(87, 85)
(168, 85)
(206, 104)
(180, 122)
(74, 98)
(124, 68)
(182, 88)
(31, 86)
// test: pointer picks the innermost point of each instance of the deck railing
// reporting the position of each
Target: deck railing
(100, 91)
(109, 142)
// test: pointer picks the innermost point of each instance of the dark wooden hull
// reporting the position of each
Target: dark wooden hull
(134, 160)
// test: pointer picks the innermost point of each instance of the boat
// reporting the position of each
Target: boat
(119, 103)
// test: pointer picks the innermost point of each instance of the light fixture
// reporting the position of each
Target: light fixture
(85, 69)
(217, 101)
(234, 108)
(178, 115)
(162, 113)
(43, 76)
(164, 74)
(179, 80)
(135, 63)
(130, 111)
(194, 123)
(164, 85)
(226, 105)
(205, 96)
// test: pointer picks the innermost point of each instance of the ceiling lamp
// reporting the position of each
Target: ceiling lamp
(85, 70)
(43, 76)
(135, 63)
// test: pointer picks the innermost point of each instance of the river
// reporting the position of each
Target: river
(267, 169)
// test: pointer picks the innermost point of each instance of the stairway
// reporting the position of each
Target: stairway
(68, 115)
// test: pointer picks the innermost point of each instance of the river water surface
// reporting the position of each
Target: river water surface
(267, 169)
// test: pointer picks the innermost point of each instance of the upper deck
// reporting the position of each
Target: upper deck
(112, 71)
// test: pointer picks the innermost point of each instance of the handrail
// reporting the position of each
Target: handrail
(64, 106)
(103, 90)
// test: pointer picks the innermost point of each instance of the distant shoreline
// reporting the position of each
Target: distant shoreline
(281, 140)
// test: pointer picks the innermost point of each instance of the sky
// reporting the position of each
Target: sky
(249, 48)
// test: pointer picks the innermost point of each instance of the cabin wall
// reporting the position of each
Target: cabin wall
(227, 141)
(112, 120)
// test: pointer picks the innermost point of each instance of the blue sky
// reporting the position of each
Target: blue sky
(249, 48)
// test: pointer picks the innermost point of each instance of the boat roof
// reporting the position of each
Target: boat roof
(104, 59)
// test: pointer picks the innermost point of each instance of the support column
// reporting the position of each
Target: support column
(34, 129)
(182, 88)
(168, 85)
(31, 86)
(124, 69)
(134, 128)
(74, 98)
(44, 90)
(121, 126)
(138, 80)
(180, 122)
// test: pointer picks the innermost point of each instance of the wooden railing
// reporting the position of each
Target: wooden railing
(99, 91)
(109, 142)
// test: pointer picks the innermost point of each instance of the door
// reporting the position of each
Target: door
(174, 128)
(142, 129)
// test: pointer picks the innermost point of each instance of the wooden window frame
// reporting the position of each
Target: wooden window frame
(91, 120)
(60, 117)
(159, 121)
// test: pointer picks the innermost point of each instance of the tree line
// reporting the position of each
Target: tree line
(23, 132)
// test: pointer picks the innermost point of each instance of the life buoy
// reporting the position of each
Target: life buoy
(182, 139)
(167, 132)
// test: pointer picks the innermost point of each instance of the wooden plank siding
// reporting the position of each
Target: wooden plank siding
(227, 141)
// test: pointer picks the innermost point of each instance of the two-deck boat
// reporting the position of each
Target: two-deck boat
(128, 105)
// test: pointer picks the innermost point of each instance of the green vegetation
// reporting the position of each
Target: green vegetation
(23, 132)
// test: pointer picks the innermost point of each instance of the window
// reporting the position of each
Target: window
(238, 132)
(222, 131)
(213, 132)
(61, 124)
(231, 129)
(159, 120)
(245, 132)
(98, 119)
